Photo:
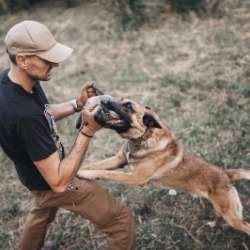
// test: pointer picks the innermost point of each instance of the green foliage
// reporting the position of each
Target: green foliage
(134, 13)
(4, 238)
(184, 6)
(15, 5)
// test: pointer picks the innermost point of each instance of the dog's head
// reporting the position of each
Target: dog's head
(102, 114)
(128, 118)
(132, 120)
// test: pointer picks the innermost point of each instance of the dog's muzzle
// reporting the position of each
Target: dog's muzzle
(109, 113)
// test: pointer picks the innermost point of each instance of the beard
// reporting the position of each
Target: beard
(40, 77)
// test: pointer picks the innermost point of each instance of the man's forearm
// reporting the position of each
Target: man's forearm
(61, 110)
(59, 173)
(69, 166)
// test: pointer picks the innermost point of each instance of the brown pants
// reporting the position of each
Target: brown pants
(90, 201)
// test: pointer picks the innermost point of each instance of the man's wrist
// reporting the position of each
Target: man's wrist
(86, 135)
(76, 107)
(87, 131)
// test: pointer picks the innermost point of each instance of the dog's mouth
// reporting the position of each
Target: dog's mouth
(112, 116)
(109, 113)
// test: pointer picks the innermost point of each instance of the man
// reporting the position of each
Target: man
(28, 137)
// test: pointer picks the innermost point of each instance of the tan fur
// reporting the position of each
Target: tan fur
(156, 158)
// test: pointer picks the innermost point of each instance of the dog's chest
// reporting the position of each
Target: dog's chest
(130, 154)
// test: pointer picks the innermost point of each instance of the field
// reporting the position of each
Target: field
(194, 72)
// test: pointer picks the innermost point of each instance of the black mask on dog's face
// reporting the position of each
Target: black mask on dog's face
(123, 120)
(108, 114)
(126, 117)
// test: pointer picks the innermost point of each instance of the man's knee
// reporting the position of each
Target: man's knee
(121, 230)
(128, 222)
(126, 216)
(40, 218)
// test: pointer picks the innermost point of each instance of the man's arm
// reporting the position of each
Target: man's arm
(65, 109)
(61, 110)
(59, 174)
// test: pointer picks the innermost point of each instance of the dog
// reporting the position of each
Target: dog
(155, 157)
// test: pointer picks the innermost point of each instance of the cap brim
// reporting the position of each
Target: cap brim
(57, 54)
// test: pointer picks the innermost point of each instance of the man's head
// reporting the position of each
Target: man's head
(33, 48)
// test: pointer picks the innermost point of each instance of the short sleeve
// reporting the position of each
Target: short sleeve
(35, 136)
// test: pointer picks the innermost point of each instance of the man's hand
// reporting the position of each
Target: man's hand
(89, 125)
(87, 91)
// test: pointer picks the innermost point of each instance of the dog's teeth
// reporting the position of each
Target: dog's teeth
(114, 121)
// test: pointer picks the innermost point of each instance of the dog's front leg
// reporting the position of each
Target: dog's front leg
(124, 178)
(114, 162)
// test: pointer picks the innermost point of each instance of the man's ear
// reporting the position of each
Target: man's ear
(149, 121)
(21, 61)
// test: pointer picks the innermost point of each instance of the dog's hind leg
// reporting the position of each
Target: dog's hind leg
(228, 205)
(238, 174)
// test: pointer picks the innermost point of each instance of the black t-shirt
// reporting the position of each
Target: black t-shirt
(27, 131)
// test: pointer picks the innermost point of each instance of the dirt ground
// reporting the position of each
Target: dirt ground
(194, 72)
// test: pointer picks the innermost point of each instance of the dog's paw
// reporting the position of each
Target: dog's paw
(87, 174)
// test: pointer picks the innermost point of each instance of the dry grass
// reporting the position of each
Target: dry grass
(195, 73)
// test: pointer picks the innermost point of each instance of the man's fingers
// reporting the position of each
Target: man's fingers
(91, 89)
(94, 108)
(91, 92)
(90, 111)
(88, 84)
(87, 87)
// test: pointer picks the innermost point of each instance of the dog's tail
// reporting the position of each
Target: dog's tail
(238, 174)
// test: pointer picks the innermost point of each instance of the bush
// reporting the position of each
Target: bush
(131, 12)
(134, 13)
(207, 7)
(14, 5)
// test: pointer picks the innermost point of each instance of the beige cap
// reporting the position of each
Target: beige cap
(34, 38)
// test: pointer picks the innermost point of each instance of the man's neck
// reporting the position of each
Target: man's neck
(19, 77)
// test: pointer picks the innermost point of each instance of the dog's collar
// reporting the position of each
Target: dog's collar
(144, 137)
(133, 145)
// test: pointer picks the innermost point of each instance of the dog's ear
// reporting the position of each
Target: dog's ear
(149, 121)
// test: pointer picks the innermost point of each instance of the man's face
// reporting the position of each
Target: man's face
(38, 68)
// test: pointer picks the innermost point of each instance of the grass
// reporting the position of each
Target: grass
(194, 74)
